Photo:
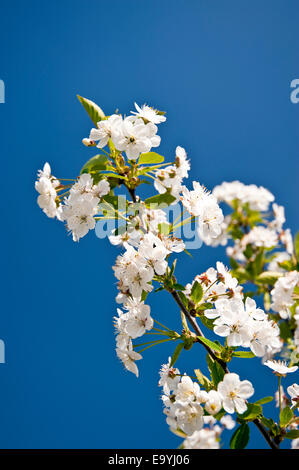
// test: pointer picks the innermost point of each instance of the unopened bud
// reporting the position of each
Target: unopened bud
(88, 142)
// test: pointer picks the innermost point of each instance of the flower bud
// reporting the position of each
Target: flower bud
(88, 142)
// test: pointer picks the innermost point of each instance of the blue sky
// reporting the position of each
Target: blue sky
(222, 71)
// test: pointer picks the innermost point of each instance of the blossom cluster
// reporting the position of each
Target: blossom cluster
(133, 134)
(188, 408)
(261, 251)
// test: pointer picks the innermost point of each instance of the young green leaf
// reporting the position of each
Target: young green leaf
(216, 371)
(96, 163)
(293, 434)
(176, 353)
(150, 157)
(159, 200)
(268, 277)
(263, 401)
(243, 354)
(285, 416)
(196, 292)
(93, 110)
(203, 380)
(164, 228)
(252, 412)
(240, 438)
(211, 344)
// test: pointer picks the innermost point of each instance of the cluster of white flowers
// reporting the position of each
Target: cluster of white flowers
(148, 239)
(130, 325)
(169, 179)
(133, 134)
(82, 203)
(209, 436)
(46, 185)
(216, 283)
(202, 204)
(135, 270)
(268, 235)
(244, 325)
(258, 198)
(79, 208)
(282, 294)
(185, 403)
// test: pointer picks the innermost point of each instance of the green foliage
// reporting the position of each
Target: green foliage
(196, 292)
(164, 228)
(216, 371)
(203, 380)
(240, 438)
(176, 353)
(207, 322)
(211, 344)
(263, 401)
(95, 164)
(285, 330)
(159, 200)
(243, 354)
(150, 157)
(286, 415)
(253, 411)
(293, 434)
(268, 277)
(93, 110)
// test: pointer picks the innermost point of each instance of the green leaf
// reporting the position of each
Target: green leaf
(164, 228)
(95, 164)
(293, 434)
(243, 354)
(285, 330)
(117, 202)
(285, 416)
(263, 401)
(93, 110)
(196, 292)
(211, 344)
(240, 438)
(252, 412)
(178, 286)
(207, 322)
(216, 371)
(268, 277)
(183, 298)
(159, 200)
(144, 295)
(176, 353)
(203, 380)
(296, 245)
(288, 265)
(150, 157)
(270, 424)
(234, 264)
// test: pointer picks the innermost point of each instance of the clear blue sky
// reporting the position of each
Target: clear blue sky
(222, 71)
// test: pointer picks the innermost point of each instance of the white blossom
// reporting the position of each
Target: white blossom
(204, 439)
(149, 114)
(106, 129)
(234, 393)
(280, 367)
(46, 185)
